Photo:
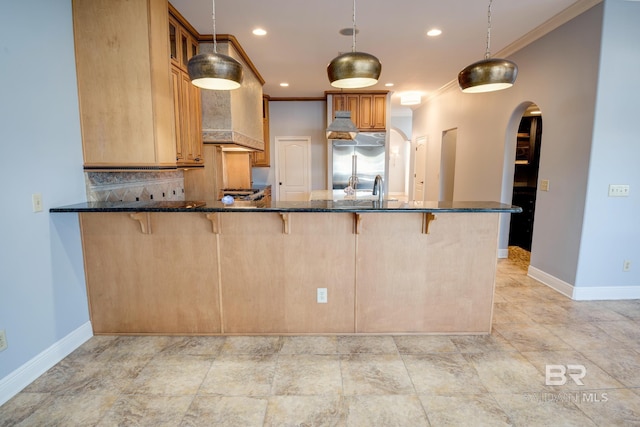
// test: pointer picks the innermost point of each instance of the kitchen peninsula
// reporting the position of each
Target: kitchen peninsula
(259, 267)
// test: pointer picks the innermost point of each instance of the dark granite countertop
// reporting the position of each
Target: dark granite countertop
(310, 206)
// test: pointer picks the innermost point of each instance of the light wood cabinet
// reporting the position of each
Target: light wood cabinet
(373, 112)
(237, 169)
(368, 110)
(183, 45)
(263, 158)
(186, 97)
(124, 83)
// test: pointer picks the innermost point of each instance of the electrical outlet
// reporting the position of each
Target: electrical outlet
(3, 340)
(322, 296)
(626, 265)
(618, 190)
(544, 185)
(36, 201)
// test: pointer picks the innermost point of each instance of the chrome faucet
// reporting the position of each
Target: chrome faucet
(377, 188)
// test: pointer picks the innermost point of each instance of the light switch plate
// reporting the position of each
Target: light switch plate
(619, 190)
(544, 185)
(36, 201)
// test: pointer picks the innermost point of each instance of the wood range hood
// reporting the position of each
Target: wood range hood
(233, 118)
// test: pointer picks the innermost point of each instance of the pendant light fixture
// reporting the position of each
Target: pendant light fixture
(489, 74)
(214, 70)
(354, 69)
(342, 127)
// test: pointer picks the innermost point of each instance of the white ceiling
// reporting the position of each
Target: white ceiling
(303, 36)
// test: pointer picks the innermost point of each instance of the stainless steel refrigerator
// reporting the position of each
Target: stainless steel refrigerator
(363, 157)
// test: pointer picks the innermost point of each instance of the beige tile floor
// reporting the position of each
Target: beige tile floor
(493, 380)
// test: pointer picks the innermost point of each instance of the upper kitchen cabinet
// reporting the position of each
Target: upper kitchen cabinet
(368, 110)
(124, 83)
(183, 44)
(183, 41)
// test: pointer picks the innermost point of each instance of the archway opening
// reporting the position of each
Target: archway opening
(525, 183)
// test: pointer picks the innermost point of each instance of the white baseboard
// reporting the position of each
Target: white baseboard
(585, 293)
(27, 373)
(551, 281)
(503, 253)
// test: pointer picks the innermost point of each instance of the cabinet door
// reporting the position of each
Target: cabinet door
(185, 119)
(379, 117)
(352, 104)
(176, 82)
(194, 118)
(366, 112)
(188, 47)
(338, 104)
(174, 41)
(126, 118)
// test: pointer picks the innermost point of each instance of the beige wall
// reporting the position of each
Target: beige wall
(559, 73)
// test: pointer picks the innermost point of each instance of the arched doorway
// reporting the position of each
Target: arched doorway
(525, 179)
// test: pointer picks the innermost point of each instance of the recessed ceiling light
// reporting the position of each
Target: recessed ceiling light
(283, 84)
(260, 32)
(389, 84)
(434, 32)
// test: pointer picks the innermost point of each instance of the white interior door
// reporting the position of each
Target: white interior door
(293, 167)
(419, 169)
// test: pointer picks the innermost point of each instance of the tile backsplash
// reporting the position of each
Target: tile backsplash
(134, 186)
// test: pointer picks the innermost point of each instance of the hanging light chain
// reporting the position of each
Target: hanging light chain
(487, 53)
(213, 18)
(353, 43)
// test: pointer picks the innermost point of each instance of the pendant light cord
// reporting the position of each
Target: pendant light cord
(213, 18)
(487, 53)
(353, 44)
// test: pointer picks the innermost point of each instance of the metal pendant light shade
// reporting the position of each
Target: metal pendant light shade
(342, 127)
(354, 69)
(214, 71)
(488, 75)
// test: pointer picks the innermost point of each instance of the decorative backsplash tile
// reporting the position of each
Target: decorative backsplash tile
(134, 186)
